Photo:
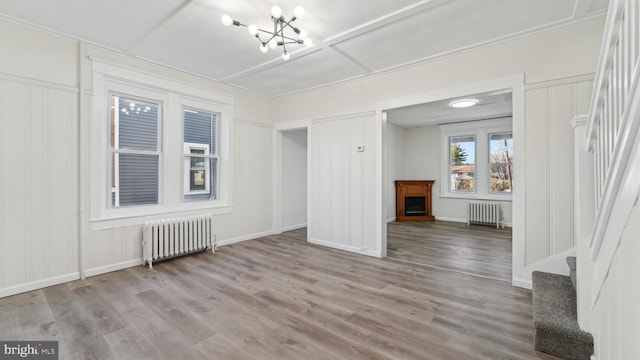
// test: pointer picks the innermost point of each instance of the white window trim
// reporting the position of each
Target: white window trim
(174, 95)
(480, 130)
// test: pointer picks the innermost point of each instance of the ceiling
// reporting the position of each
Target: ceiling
(490, 105)
(353, 38)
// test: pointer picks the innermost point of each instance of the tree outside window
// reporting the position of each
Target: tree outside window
(501, 162)
(462, 169)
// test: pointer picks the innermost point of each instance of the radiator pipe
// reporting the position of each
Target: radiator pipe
(82, 156)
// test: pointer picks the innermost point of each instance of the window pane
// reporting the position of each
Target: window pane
(500, 162)
(137, 179)
(136, 124)
(199, 128)
(134, 128)
(197, 183)
(462, 169)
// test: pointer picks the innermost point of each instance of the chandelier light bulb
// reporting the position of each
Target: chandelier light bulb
(278, 37)
(276, 12)
(226, 20)
(252, 29)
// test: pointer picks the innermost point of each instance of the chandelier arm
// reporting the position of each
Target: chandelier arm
(284, 47)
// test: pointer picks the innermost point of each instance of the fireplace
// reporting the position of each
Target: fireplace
(413, 200)
(415, 205)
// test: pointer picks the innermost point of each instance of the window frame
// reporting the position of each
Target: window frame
(174, 94)
(215, 153)
(112, 151)
(481, 130)
(475, 161)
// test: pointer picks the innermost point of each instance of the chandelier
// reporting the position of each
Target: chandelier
(277, 37)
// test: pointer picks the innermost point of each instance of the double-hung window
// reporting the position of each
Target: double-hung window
(200, 154)
(135, 151)
(477, 159)
(159, 147)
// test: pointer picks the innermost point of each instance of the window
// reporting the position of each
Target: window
(158, 148)
(500, 162)
(135, 151)
(200, 154)
(477, 159)
(462, 169)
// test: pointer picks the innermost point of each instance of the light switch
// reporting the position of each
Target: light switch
(360, 148)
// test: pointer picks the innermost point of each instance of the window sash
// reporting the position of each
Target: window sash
(502, 177)
(201, 132)
(462, 176)
(128, 187)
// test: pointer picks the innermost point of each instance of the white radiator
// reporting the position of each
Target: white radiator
(167, 238)
(484, 212)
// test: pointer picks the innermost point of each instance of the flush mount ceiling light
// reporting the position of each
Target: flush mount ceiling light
(463, 103)
(277, 37)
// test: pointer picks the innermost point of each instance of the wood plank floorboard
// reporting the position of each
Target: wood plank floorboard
(478, 250)
(278, 297)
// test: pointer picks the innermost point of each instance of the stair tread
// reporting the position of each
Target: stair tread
(556, 329)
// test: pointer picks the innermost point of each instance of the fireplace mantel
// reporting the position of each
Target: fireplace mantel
(413, 200)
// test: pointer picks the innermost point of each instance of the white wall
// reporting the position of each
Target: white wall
(557, 64)
(252, 184)
(395, 165)
(294, 179)
(38, 160)
(342, 183)
(39, 163)
(550, 108)
(615, 313)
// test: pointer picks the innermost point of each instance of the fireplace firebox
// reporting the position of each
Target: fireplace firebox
(413, 200)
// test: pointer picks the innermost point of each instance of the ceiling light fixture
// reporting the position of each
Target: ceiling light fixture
(458, 104)
(272, 40)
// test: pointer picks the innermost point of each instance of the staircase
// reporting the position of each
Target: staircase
(555, 320)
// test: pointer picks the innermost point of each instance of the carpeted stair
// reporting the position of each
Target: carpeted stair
(555, 316)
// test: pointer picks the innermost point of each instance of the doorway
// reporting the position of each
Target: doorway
(405, 152)
(294, 179)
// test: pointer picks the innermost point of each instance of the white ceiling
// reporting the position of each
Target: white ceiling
(491, 105)
(353, 38)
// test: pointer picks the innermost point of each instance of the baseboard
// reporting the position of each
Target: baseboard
(459, 220)
(243, 238)
(294, 227)
(35, 285)
(391, 219)
(444, 218)
(522, 283)
(112, 267)
(352, 249)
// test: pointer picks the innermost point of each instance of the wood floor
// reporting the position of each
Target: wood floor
(277, 298)
(475, 249)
